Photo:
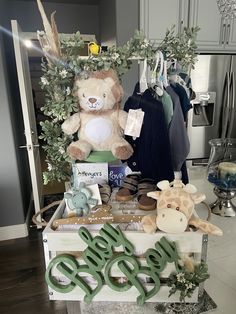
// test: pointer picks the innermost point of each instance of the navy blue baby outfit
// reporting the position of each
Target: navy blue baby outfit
(152, 149)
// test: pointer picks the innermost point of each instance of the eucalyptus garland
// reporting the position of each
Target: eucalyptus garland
(181, 47)
(58, 79)
(186, 282)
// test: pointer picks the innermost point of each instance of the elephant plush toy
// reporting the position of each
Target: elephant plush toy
(79, 200)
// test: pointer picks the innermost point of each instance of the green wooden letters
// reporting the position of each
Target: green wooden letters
(99, 260)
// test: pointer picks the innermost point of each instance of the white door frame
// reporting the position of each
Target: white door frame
(27, 104)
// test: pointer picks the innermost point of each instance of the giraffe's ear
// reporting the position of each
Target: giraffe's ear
(198, 197)
(190, 188)
(154, 194)
(163, 185)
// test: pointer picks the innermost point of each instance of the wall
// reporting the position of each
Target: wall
(14, 193)
(69, 17)
(107, 10)
(118, 21)
(127, 21)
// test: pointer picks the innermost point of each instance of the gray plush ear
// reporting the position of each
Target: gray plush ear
(70, 204)
(86, 192)
(68, 196)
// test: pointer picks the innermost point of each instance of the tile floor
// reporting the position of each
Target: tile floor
(221, 257)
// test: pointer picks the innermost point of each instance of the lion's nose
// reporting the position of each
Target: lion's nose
(92, 100)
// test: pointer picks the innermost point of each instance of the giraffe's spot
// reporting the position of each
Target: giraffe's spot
(186, 203)
(168, 193)
(175, 200)
(161, 203)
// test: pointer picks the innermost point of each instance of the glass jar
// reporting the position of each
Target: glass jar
(221, 170)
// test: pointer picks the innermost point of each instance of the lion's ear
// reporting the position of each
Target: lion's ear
(109, 81)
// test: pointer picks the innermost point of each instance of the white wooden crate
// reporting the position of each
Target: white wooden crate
(58, 242)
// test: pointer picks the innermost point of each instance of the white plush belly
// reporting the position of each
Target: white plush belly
(98, 130)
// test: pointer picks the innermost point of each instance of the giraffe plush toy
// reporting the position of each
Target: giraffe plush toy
(175, 209)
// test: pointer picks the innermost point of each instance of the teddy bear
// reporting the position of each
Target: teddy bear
(100, 122)
(175, 209)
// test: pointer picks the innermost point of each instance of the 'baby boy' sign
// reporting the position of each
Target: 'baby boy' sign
(99, 258)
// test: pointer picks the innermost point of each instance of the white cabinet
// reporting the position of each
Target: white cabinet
(231, 39)
(156, 16)
(206, 15)
(216, 33)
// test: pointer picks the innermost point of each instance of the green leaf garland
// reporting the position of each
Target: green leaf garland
(58, 80)
(186, 282)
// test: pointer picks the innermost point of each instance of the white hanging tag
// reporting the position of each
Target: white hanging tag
(134, 122)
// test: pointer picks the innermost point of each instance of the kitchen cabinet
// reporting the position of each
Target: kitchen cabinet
(156, 16)
(231, 44)
(216, 33)
(206, 15)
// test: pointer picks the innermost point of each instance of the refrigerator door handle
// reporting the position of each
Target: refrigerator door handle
(225, 111)
(232, 105)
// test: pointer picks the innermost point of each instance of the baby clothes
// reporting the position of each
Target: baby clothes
(152, 156)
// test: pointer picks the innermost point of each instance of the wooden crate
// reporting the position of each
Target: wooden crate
(59, 242)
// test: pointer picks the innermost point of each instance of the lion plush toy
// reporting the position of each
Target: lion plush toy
(175, 209)
(99, 122)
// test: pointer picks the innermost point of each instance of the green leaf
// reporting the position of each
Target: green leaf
(58, 105)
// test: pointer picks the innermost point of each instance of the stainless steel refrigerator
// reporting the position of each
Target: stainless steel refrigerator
(213, 114)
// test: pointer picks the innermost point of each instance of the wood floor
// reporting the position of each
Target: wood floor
(22, 285)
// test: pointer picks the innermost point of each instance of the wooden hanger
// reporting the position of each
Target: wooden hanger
(100, 214)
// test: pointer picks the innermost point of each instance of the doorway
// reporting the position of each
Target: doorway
(39, 99)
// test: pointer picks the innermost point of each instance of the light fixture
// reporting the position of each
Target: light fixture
(28, 43)
(227, 8)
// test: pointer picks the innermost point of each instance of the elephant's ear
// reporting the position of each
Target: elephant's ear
(86, 192)
(68, 196)
(69, 201)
